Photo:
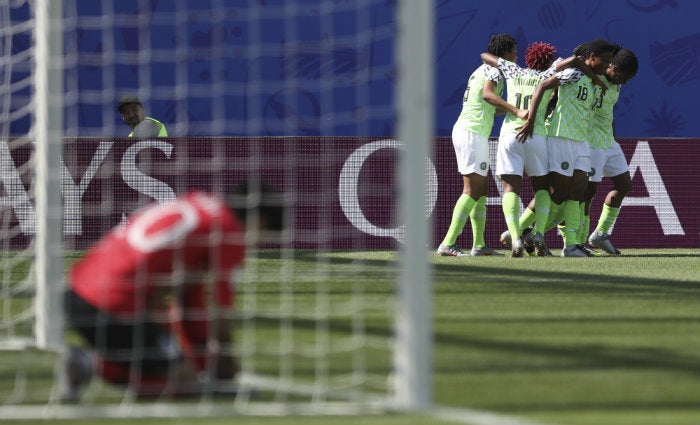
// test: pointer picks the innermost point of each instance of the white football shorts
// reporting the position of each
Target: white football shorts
(472, 151)
(514, 157)
(566, 155)
(608, 162)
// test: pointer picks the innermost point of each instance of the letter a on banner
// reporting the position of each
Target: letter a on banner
(643, 160)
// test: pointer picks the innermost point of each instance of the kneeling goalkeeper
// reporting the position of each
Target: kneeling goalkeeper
(153, 299)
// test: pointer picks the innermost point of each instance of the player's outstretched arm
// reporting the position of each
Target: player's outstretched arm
(490, 59)
(570, 62)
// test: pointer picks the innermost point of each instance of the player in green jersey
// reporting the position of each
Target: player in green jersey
(515, 158)
(568, 134)
(470, 140)
(607, 159)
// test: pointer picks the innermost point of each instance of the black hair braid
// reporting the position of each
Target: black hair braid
(582, 50)
(600, 46)
(500, 44)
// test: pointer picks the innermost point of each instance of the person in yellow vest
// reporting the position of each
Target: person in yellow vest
(132, 113)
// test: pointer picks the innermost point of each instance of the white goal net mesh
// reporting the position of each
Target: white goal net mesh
(296, 94)
(17, 209)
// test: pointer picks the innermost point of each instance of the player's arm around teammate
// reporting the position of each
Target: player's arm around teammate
(516, 157)
(568, 128)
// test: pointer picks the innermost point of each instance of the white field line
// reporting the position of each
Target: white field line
(478, 417)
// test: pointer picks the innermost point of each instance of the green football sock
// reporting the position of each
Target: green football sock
(556, 215)
(528, 217)
(461, 211)
(607, 218)
(582, 231)
(478, 219)
(585, 229)
(572, 212)
(511, 209)
(543, 205)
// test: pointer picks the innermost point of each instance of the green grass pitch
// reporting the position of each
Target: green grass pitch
(592, 341)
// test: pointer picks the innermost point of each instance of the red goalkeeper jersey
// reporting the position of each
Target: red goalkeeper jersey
(163, 247)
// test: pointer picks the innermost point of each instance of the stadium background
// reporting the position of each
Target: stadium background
(659, 102)
(207, 89)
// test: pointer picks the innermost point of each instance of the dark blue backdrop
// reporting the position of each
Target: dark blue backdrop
(321, 56)
(658, 102)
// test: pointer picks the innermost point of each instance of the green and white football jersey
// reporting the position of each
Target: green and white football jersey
(571, 118)
(602, 135)
(521, 84)
(477, 114)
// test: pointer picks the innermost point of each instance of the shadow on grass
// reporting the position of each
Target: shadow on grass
(464, 278)
(586, 279)
(575, 357)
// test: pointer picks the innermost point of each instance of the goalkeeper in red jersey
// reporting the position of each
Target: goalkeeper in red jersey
(153, 299)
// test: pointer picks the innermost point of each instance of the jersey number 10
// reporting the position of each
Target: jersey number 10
(524, 100)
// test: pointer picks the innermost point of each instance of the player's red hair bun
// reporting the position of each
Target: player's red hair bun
(539, 55)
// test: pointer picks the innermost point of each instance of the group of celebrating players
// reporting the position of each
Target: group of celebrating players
(558, 129)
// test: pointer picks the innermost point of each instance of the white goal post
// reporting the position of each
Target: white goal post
(311, 334)
(415, 112)
(33, 93)
(48, 135)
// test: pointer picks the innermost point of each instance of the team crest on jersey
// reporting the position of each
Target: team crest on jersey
(564, 165)
(483, 165)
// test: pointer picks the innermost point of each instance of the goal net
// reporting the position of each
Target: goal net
(328, 102)
(16, 74)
